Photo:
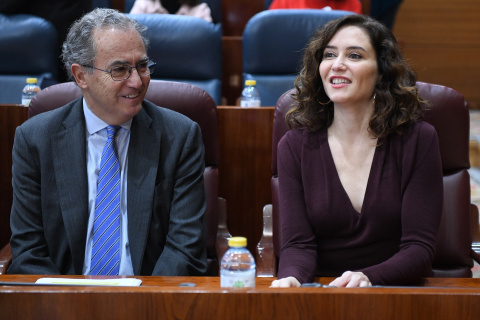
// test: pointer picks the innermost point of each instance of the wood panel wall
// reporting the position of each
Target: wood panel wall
(245, 144)
(10, 118)
(441, 40)
(235, 15)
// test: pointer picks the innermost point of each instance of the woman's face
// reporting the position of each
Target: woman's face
(349, 67)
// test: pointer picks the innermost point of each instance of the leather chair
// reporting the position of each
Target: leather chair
(273, 44)
(186, 49)
(449, 114)
(184, 98)
(28, 49)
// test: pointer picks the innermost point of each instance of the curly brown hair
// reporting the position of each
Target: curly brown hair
(397, 103)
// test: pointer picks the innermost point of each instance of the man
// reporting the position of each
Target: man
(153, 220)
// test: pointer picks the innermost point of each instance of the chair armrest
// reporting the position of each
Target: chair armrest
(475, 225)
(5, 258)
(221, 245)
(476, 256)
(264, 253)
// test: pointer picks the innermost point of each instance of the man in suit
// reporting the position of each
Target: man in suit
(158, 207)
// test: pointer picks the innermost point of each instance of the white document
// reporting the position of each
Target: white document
(121, 282)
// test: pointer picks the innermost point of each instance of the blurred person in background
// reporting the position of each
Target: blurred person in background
(346, 5)
(192, 8)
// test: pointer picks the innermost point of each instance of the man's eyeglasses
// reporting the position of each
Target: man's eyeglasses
(123, 72)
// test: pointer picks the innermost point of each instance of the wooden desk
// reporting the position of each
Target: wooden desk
(162, 298)
(245, 145)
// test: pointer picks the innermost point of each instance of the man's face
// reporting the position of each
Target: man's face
(115, 102)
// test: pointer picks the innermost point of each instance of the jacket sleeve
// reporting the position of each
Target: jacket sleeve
(184, 252)
(28, 244)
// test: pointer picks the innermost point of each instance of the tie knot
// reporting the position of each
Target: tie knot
(111, 131)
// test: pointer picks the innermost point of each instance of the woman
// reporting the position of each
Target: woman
(347, 5)
(360, 178)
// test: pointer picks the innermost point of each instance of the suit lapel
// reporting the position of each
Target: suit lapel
(143, 157)
(69, 160)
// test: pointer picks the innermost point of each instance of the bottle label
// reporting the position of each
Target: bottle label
(26, 102)
(236, 279)
(250, 103)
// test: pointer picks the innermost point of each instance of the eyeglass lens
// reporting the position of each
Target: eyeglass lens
(124, 72)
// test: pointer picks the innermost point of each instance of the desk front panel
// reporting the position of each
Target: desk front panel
(162, 298)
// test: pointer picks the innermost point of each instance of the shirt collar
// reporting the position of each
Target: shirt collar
(95, 124)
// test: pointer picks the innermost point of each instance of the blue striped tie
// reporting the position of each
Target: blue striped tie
(106, 226)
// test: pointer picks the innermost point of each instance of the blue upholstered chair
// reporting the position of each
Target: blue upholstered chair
(186, 49)
(273, 43)
(28, 47)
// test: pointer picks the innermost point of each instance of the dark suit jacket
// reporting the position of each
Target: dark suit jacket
(165, 200)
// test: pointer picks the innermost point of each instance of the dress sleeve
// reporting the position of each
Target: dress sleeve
(422, 203)
(298, 254)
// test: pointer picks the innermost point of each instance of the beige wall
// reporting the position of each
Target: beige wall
(441, 40)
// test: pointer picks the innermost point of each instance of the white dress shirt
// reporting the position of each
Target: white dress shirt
(96, 135)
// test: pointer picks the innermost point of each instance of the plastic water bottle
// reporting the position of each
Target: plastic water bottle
(237, 269)
(250, 95)
(29, 91)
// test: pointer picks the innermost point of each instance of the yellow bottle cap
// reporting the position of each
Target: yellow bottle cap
(31, 80)
(250, 82)
(237, 242)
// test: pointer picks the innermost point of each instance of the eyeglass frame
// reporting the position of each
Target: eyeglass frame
(150, 64)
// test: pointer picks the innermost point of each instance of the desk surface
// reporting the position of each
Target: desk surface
(161, 297)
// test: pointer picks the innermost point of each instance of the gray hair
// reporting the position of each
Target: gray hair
(79, 46)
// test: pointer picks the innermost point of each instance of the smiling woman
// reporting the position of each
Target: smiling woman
(360, 177)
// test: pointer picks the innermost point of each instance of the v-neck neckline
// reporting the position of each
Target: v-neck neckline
(339, 181)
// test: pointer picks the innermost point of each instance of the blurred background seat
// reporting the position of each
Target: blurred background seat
(186, 49)
(27, 49)
(273, 47)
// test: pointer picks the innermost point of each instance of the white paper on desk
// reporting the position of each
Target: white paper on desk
(122, 282)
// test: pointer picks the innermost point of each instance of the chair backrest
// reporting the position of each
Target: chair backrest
(184, 98)
(449, 114)
(273, 45)
(186, 49)
(28, 49)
